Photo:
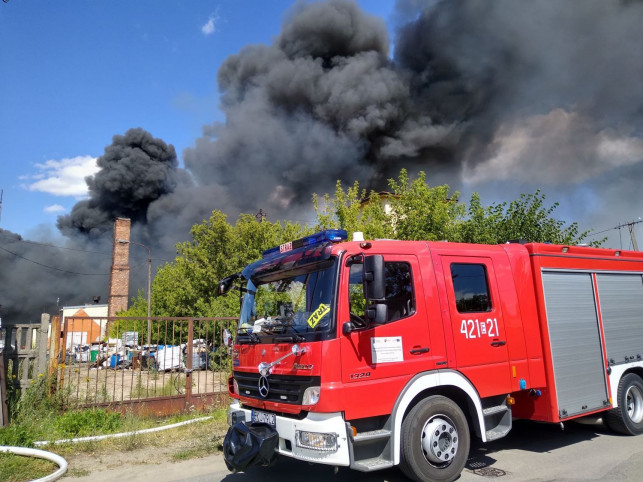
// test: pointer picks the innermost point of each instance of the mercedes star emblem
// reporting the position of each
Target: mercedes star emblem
(264, 386)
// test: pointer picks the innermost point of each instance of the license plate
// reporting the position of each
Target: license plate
(264, 417)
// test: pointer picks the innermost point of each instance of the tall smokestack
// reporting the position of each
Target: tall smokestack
(119, 275)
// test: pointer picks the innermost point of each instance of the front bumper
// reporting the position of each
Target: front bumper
(326, 423)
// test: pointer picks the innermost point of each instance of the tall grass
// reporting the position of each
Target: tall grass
(42, 413)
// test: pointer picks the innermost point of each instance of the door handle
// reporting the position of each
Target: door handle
(419, 351)
(498, 343)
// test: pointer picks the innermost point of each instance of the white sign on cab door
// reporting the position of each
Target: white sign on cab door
(387, 349)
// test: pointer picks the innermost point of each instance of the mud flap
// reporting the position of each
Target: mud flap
(249, 443)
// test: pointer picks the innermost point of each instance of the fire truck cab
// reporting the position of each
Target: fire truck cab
(370, 354)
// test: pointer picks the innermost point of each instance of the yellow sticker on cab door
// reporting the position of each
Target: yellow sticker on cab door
(318, 314)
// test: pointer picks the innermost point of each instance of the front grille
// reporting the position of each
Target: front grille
(283, 388)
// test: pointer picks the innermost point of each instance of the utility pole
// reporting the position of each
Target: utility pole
(630, 226)
(260, 216)
(1, 193)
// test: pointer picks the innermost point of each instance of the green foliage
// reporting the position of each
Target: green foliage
(38, 414)
(87, 422)
(187, 286)
(17, 435)
(410, 210)
(138, 306)
(30, 411)
(526, 218)
(37, 402)
(220, 361)
(16, 468)
(353, 211)
(420, 212)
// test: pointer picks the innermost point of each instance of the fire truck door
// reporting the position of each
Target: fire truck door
(479, 337)
(390, 352)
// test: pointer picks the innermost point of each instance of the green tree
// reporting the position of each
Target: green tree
(526, 218)
(421, 212)
(353, 210)
(187, 286)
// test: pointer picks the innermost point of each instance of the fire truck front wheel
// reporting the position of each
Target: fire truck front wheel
(627, 418)
(435, 440)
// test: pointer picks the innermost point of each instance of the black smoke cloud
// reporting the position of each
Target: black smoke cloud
(135, 171)
(40, 277)
(497, 96)
(324, 102)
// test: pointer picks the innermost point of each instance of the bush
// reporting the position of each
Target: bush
(16, 436)
(38, 401)
(87, 422)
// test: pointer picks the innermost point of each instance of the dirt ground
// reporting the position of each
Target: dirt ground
(89, 384)
(94, 461)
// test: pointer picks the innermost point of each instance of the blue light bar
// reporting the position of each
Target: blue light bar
(329, 235)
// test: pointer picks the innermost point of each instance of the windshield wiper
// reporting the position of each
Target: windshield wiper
(289, 339)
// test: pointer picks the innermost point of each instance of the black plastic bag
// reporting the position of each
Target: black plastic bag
(249, 443)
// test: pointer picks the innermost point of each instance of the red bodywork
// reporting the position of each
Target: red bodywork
(510, 354)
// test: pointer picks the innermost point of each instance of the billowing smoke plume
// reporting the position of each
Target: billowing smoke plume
(36, 277)
(489, 95)
(324, 102)
(497, 96)
(136, 170)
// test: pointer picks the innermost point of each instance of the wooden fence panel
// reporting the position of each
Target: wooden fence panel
(25, 352)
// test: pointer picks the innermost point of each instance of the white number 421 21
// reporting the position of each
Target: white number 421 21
(478, 329)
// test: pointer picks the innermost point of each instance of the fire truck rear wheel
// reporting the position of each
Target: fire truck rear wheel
(435, 440)
(627, 418)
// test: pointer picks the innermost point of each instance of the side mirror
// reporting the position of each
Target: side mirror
(226, 283)
(377, 313)
(374, 279)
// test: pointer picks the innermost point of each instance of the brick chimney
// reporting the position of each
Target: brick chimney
(119, 276)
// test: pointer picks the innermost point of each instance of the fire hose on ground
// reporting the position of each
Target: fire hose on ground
(41, 454)
(62, 463)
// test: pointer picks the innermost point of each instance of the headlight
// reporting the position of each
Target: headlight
(311, 396)
(324, 442)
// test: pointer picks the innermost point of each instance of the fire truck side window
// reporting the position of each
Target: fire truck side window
(356, 299)
(399, 291)
(471, 288)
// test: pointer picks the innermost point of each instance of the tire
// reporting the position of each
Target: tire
(435, 441)
(627, 418)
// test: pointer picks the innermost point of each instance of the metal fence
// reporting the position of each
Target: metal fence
(155, 365)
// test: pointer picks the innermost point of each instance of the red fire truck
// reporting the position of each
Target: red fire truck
(371, 354)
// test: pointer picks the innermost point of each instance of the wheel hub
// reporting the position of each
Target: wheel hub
(439, 440)
(634, 403)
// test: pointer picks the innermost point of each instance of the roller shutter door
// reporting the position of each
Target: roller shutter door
(575, 342)
(621, 302)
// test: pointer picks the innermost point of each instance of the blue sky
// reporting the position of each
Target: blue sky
(76, 73)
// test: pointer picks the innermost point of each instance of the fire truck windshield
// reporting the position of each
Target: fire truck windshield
(289, 303)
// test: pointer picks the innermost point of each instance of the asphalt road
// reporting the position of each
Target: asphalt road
(531, 452)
